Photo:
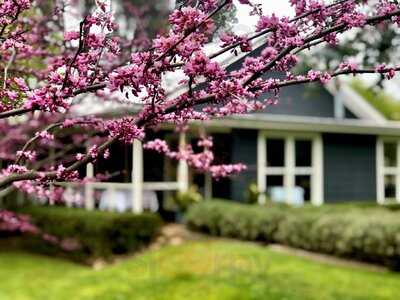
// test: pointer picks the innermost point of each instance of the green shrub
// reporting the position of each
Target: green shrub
(252, 193)
(96, 234)
(295, 231)
(369, 234)
(227, 219)
(183, 200)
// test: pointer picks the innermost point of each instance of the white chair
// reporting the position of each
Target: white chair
(280, 194)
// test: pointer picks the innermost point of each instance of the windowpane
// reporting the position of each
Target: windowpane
(303, 153)
(390, 150)
(275, 189)
(303, 182)
(390, 187)
(275, 152)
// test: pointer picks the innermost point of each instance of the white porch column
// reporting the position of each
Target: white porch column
(261, 164)
(183, 168)
(397, 176)
(380, 184)
(317, 183)
(289, 180)
(137, 177)
(89, 191)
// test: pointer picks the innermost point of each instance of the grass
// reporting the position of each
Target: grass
(198, 270)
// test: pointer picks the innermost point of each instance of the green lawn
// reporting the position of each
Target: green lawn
(198, 270)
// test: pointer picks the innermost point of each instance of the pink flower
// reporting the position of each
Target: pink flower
(157, 145)
(125, 129)
(93, 151)
(227, 170)
(45, 135)
(65, 174)
(71, 35)
(351, 66)
(12, 95)
(29, 155)
(106, 154)
(21, 83)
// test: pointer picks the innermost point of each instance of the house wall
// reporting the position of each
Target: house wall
(300, 100)
(303, 100)
(244, 149)
(349, 167)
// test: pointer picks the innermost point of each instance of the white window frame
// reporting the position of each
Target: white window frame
(289, 171)
(382, 170)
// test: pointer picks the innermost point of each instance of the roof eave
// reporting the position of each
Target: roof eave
(307, 124)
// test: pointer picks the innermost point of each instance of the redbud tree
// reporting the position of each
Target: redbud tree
(47, 70)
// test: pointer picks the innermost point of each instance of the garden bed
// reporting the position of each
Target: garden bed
(85, 235)
(362, 233)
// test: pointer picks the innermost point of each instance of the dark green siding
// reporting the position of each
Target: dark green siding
(311, 100)
(244, 149)
(349, 167)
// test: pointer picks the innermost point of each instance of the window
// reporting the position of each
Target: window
(274, 190)
(304, 181)
(290, 167)
(276, 152)
(303, 153)
(390, 187)
(388, 169)
(390, 154)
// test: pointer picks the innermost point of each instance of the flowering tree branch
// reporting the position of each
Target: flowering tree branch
(93, 60)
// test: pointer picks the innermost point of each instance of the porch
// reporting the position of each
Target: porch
(129, 186)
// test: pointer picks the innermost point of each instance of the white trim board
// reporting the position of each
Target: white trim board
(382, 170)
(345, 97)
(358, 105)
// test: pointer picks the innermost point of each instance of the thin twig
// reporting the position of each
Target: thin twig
(9, 63)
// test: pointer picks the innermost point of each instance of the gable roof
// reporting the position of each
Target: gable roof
(291, 108)
(383, 100)
(357, 104)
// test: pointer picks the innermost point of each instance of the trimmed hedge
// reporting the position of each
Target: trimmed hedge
(365, 234)
(93, 234)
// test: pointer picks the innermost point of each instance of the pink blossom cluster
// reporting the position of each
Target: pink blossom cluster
(15, 169)
(13, 222)
(227, 170)
(10, 221)
(9, 9)
(45, 135)
(125, 129)
(387, 71)
(200, 65)
(229, 39)
(348, 65)
(189, 18)
(29, 155)
(65, 174)
(323, 77)
(202, 161)
(41, 192)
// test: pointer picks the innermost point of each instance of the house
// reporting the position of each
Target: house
(318, 145)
